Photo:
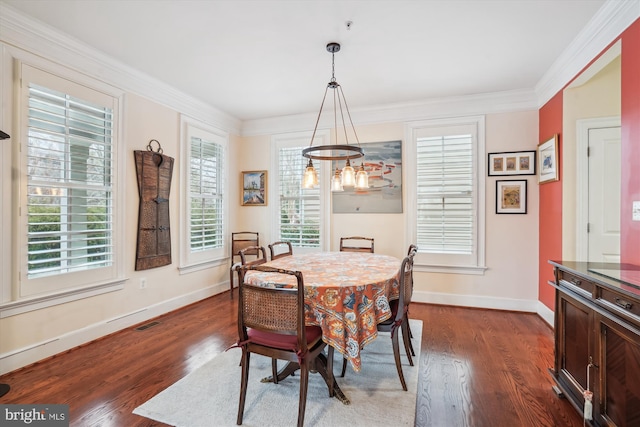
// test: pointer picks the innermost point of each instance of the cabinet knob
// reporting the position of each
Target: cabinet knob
(576, 282)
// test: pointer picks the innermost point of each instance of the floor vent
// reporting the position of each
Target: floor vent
(147, 326)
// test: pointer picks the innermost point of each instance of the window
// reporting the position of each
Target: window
(203, 202)
(448, 200)
(300, 213)
(68, 167)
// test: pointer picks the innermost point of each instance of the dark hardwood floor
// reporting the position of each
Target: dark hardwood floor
(478, 368)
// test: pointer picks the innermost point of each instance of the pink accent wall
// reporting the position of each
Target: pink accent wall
(550, 216)
(630, 145)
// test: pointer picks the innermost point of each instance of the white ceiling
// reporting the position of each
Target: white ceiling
(265, 58)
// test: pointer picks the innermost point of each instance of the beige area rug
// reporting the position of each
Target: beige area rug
(208, 397)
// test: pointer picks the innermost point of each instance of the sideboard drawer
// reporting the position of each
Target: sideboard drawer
(621, 304)
(576, 283)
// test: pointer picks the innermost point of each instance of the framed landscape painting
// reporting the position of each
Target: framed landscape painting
(383, 163)
(254, 188)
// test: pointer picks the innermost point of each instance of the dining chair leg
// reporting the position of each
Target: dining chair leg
(244, 380)
(406, 319)
(231, 271)
(409, 327)
(304, 385)
(396, 355)
(274, 369)
(408, 348)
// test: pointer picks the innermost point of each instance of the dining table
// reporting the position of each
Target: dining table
(346, 293)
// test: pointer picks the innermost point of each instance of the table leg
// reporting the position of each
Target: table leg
(321, 368)
(283, 373)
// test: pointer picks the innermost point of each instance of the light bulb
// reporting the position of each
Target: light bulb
(310, 178)
(362, 179)
(348, 175)
(336, 182)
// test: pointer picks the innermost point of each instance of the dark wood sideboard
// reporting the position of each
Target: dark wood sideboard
(597, 338)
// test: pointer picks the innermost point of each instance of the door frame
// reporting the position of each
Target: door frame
(582, 178)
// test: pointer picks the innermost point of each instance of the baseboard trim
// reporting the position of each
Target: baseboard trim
(546, 313)
(492, 303)
(20, 358)
(511, 304)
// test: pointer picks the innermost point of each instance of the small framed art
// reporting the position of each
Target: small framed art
(512, 163)
(548, 160)
(511, 197)
(254, 188)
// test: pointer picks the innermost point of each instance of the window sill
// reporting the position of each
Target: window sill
(451, 269)
(191, 268)
(26, 305)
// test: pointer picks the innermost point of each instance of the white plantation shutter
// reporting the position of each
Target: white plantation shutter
(299, 210)
(446, 194)
(445, 200)
(206, 195)
(69, 190)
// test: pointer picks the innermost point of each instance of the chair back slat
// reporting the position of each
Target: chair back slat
(280, 249)
(357, 244)
(243, 239)
(258, 251)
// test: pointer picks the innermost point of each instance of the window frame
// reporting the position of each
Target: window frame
(442, 262)
(26, 294)
(194, 261)
(300, 139)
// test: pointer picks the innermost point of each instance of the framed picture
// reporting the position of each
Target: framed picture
(383, 163)
(512, 163)
(254, 188)
(548, 160)
(511, 197)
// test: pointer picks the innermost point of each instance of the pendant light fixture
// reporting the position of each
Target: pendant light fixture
(339, 152)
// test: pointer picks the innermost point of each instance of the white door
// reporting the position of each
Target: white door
(604, 194)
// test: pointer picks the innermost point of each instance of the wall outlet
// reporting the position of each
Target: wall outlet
(143, 282)
(636, 211)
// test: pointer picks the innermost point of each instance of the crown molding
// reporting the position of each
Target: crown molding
(603, 29)
(28, 34)
(454, 106)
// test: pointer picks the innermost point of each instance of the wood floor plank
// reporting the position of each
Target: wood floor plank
(478, 368)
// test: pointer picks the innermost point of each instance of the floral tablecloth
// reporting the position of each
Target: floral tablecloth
(346, 293)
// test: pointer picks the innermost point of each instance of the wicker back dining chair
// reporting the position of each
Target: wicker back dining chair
(280, 249)
(356, 244)
(398, 319)
(258, 251)
(271, 322)
(239, 241)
